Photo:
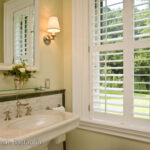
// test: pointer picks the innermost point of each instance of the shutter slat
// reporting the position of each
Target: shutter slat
(109, 102)
(141, 114)
(110, 40)
(142, 4)
(109, 110)
(110, 26)
(109, 95)
(141, 82)
(115, 82)
(108, 68)
(142, 98)
(141, 106)
(110, 19)
(144, 19)
(109, 89)
(109, 33)
(109, 75)
(108, 61)
(108, 54)
(108, 13)
(142, 12)
(141, 90)
(142, 27)
(141, 59)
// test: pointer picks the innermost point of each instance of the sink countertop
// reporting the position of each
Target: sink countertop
(65, 122)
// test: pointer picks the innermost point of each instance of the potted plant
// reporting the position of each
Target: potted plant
(22, 73)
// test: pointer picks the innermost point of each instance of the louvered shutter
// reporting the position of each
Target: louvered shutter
(107, 21)
(108, 82)
(23, 38)
(142, 83)
(107, 65)
(141, 19)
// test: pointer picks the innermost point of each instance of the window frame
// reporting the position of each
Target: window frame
(81, 66)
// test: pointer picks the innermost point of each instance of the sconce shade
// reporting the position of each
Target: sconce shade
(53, 25)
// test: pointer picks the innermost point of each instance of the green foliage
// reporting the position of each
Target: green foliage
(21, 72)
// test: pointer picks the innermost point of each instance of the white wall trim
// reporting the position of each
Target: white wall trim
(80, 56)
(116, 131)
(4, 67)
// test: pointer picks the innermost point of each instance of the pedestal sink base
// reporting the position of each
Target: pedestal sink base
(41, 147)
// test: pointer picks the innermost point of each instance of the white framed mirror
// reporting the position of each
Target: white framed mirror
(21, 33)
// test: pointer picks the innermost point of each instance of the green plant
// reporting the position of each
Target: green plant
(21, 72)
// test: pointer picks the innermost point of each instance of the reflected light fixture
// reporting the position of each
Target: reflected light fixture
(53, 28)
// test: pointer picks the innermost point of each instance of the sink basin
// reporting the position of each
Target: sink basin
(42, 126)
(35, 122)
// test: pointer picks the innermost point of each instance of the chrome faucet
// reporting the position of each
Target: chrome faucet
(19, 104)
(7, 113)
(29, 110)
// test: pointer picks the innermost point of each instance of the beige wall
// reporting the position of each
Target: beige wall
(82, 139)
(1, 30)
(67, 47)
(51, 57)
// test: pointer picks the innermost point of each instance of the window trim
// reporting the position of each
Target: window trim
(116, 130)
(81, 78)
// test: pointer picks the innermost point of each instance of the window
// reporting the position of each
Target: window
(111, 72)
(109, 65)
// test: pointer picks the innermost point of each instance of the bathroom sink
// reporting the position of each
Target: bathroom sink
(41, 127)
(34, 122)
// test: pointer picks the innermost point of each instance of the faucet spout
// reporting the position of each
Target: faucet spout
(19, 104)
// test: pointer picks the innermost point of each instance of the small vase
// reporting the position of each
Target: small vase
(18, 84)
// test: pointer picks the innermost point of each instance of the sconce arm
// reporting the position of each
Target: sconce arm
(48, 38)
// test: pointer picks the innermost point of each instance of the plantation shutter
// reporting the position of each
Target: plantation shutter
(107, 21)
(107, 65)
(142, 83)
(23, 45)
(108, 82)
(141, 19)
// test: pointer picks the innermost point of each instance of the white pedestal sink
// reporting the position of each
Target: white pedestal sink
(40, 128)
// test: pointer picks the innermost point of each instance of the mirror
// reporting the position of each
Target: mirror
(19, 25)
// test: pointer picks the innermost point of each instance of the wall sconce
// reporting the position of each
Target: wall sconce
(53, 27)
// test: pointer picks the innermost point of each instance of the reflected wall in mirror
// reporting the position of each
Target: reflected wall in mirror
(20, 32)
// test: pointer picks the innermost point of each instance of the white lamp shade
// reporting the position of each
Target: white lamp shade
(53, 25)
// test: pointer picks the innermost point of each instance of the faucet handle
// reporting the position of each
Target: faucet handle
(29, 110)
(48, 108)
(59, 105)
(7, 113)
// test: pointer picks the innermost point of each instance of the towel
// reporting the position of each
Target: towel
(61, 108)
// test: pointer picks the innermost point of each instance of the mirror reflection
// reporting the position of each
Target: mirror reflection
(17, 28)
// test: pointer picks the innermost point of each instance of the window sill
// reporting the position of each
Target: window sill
(115, 130)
